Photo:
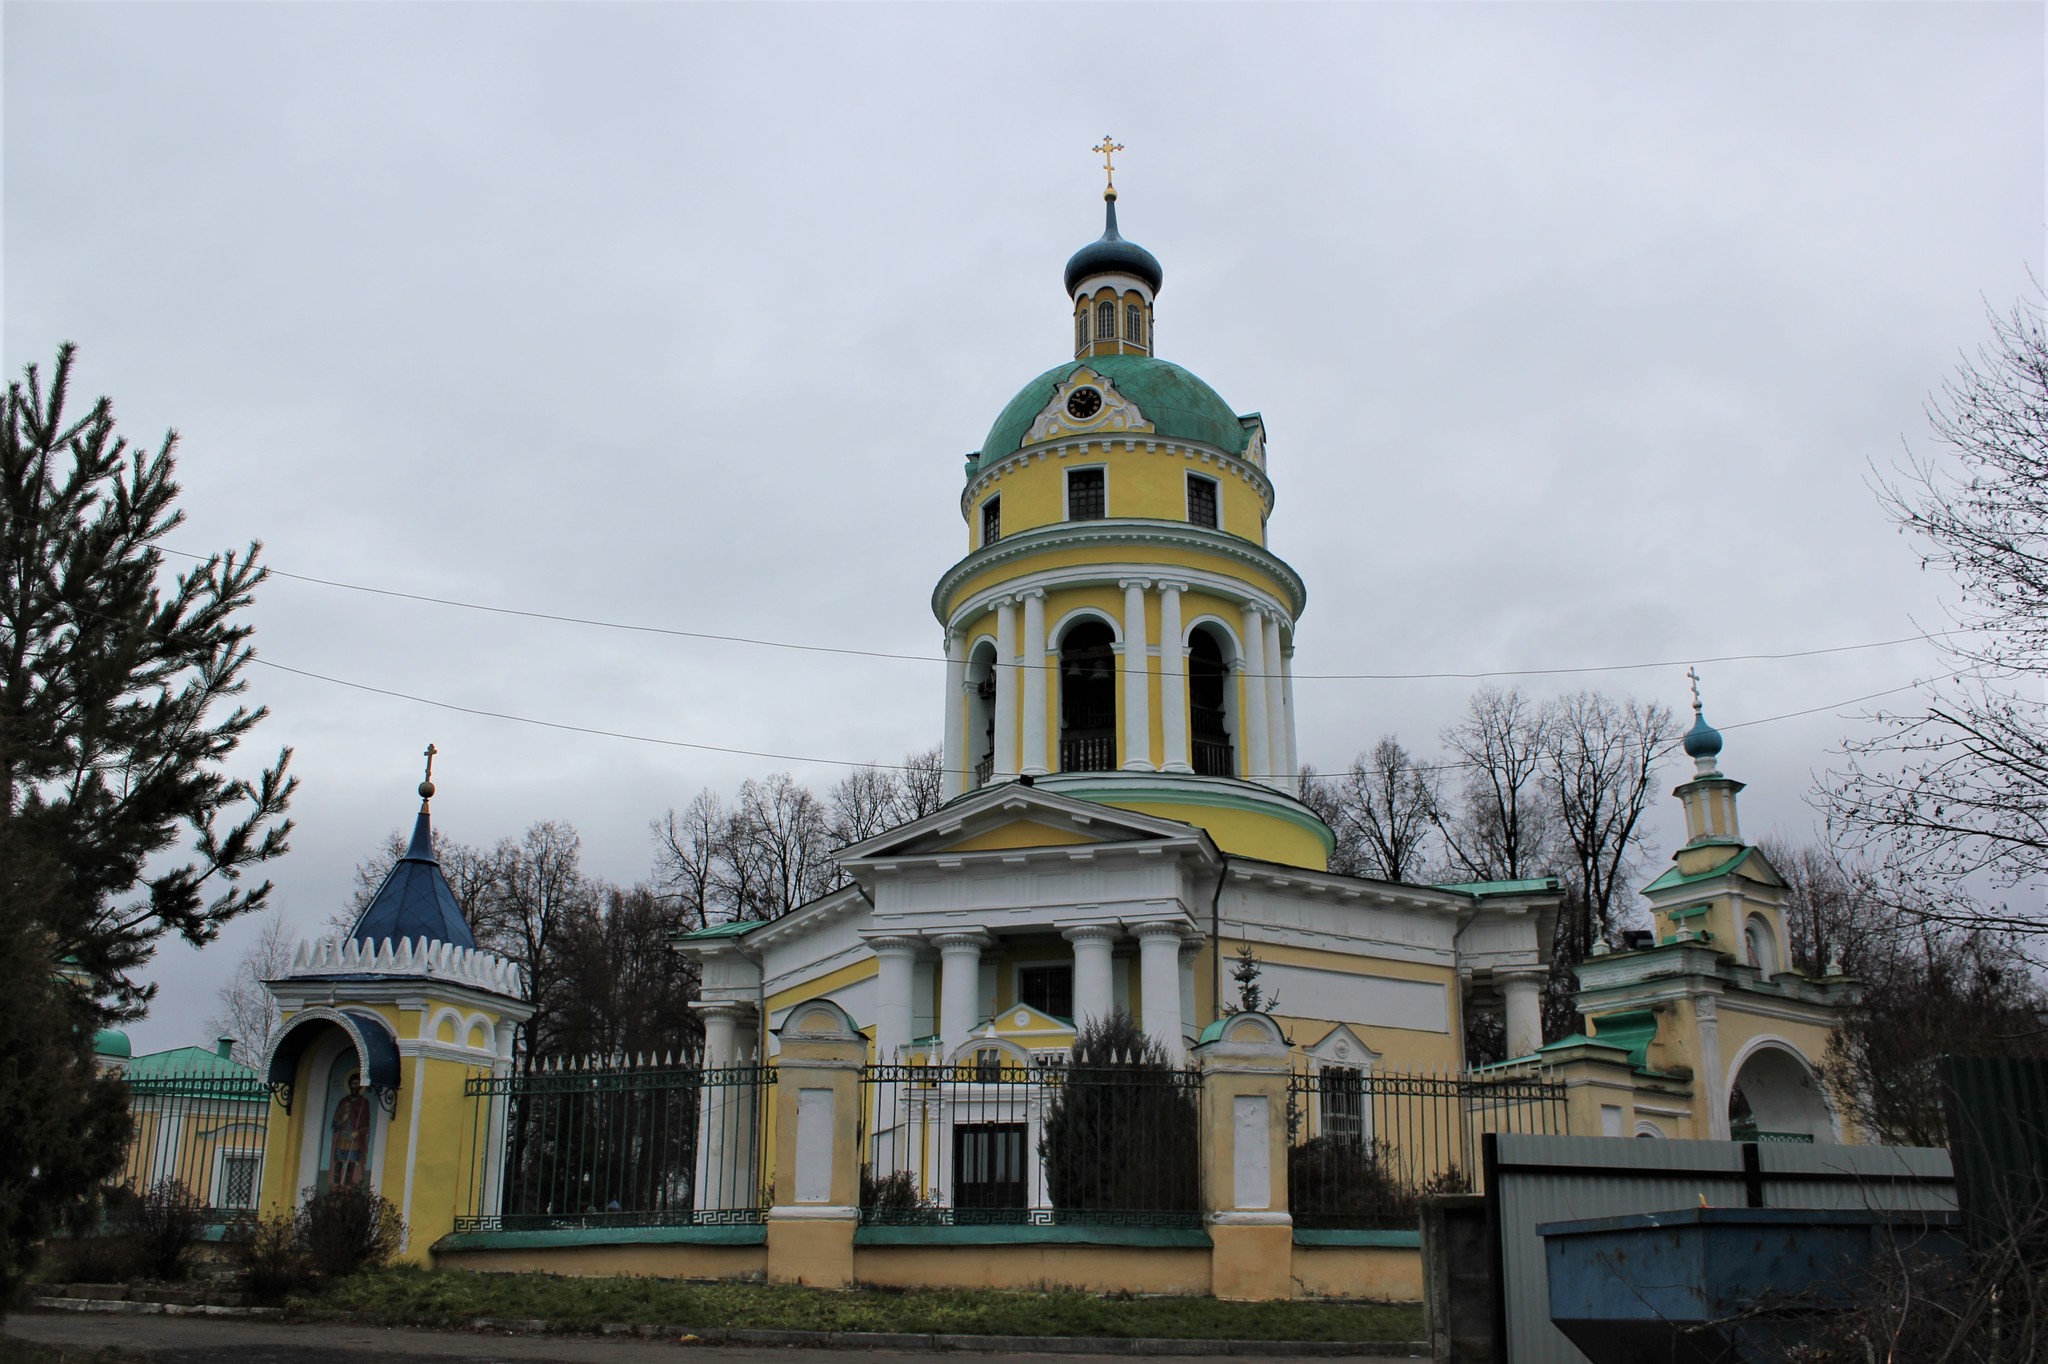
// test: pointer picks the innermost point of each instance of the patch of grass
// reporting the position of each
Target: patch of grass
(452, 1298)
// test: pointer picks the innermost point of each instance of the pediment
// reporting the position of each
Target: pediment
(1012, 816)
(1110, 413)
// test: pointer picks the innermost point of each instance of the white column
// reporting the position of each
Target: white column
(1258, 757)
(957, 761)
(723, 1176)
(1006, 690)
(1190, 948)
(895, 990)
(1094, 986)
(1710, 1083)
(1159, 980)
(1173, 680)
(1524, 990)
(1287, 702)
(959, 985)
(1033, 670)
(1276, 708)
(1137, 677)
(494, 1157)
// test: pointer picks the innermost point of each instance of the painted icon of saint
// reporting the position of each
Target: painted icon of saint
(350, 1131)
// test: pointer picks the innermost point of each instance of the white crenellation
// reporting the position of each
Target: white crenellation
(471, 966)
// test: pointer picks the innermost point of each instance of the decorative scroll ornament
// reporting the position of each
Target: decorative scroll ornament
(1072, 412)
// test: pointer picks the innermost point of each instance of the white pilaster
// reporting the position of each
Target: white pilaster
(1094, 983)
(1137, 677)
(959, 985)
(1159, 980)
(723, 1175)
(1033, 760)
(957, 760)
(1524, 991)
(1711, 1085)
(1006, 689)
(1276, 709)
(1258, 757)
(1173, 680)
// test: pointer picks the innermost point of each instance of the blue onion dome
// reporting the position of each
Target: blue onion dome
(1702, 740)
(1110, 254)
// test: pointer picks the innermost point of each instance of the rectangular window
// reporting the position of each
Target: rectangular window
(1201, 501)
(1086, 498)
(991, 521)
(238, 1181)
(1343, 1103)
(988, 1165)
(1048, 989)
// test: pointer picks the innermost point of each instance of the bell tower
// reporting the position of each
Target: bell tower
(1119, 629)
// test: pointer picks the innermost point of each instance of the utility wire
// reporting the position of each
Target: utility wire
(892, 767)
(601, 624)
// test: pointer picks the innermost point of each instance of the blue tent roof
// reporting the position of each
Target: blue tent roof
(414, 902)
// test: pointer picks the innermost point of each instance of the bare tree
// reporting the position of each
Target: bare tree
(1502, 826)
(538, 889)
(246, 1011)
(624, 993)
(687, 852)
(779, 851)
(1324, 796)
(1389, 803)
(924, 783)
(470, 873)
(1956, 787)
(863, 803)
(1600, 768)
(1837, 914)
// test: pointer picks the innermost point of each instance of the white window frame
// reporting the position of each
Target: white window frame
(994, 500)
(1103, 333)
(217, 1191)
(1188, 504)
(1067, 489)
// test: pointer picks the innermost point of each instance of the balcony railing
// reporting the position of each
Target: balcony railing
(1214, 758)
(1086, 752)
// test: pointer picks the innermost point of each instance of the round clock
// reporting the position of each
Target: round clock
(1084, 403)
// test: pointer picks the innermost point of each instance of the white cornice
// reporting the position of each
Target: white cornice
(1125, 531)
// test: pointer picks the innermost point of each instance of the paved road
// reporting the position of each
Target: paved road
(197, 1340)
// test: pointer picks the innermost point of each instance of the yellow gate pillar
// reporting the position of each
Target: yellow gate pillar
(817, 1140)
(1244, 1157)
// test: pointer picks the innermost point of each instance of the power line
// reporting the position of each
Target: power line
(894, 767)
(1449, 676)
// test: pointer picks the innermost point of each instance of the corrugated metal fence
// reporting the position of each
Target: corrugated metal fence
(1536, 1179)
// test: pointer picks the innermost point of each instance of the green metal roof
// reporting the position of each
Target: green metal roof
(188, 1063)
(111, 1042)
(1632, 1031)
(727, 930)
(1528, 885)
(1672, 878)
(1176, 403)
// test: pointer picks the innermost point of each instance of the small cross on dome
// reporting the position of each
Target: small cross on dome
(1109, 148)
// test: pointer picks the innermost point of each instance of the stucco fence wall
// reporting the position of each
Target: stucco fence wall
(1380, 1266)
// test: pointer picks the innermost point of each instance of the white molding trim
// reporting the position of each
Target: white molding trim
(1106, 575)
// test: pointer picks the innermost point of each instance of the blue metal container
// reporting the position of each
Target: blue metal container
(1723, 1285)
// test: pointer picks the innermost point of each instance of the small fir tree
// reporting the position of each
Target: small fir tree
(1120, 1135)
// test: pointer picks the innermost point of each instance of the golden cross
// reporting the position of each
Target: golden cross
(1694, 674)
(431, 751)
(1108, 148)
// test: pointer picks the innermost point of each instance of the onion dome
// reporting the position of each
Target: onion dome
(1110, 254)
(1702, 740)
(415, 902)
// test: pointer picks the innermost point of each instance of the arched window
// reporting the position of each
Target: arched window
(1105, 322)
(981, 713)
(1080, 329)
(1208, 675)
(1088, 698)
(1763, 952)
(1134, 323)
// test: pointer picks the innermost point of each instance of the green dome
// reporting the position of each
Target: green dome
(111, 1042)
(1178, 405)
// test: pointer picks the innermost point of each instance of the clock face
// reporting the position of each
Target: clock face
(1084, 403)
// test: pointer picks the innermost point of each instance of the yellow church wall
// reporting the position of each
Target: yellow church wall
(851, 974)
(1092, 1269)
(1247, 832)
(1137, 483)
(1377, 1273)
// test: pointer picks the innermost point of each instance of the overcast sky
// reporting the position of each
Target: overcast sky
(1576, 330)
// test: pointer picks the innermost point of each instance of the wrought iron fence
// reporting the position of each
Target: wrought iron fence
(1365, 1146)
(993, 1141)
(616, 1141)
(206, 1132)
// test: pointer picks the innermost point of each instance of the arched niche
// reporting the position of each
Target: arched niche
(1775, 1093)
(1212, 700)
(1087, 700)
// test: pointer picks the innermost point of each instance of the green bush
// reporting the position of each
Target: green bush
(893, 1198)
(1120, 1132)
(347, 1229)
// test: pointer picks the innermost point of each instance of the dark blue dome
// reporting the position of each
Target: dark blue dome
(415, 902)
(1110, 254)
(1702, 740)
